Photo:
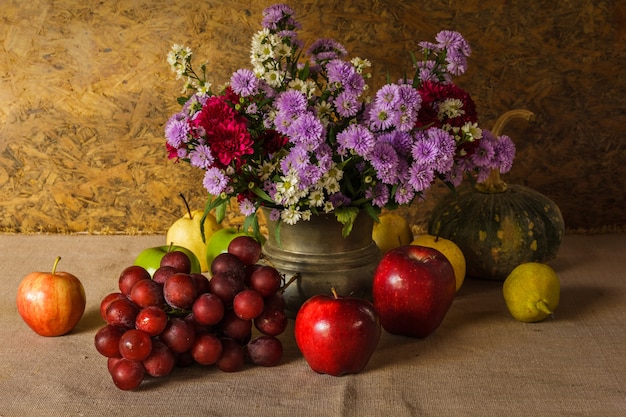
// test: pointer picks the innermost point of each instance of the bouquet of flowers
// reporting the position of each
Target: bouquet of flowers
(300, 133)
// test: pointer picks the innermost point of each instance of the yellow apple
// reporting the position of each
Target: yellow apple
(450, 250)
(186, 232)
(391, 231)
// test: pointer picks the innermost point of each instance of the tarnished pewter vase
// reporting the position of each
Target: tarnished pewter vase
(322, 258)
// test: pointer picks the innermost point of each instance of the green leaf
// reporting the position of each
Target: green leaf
(262, 194)
(346, 216)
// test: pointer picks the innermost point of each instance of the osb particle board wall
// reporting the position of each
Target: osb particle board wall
(85, 90)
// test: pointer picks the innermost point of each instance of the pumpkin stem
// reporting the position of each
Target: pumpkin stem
(494, 184)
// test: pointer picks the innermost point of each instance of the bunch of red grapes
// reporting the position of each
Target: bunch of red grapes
(178, 318)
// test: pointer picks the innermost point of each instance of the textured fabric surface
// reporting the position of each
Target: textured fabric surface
(480, 362)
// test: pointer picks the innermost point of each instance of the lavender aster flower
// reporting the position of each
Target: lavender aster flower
(347, 104)
(176, 130)
(246, 207)
(420, 177)
(505, 152)
(215, 181)
(244, 83)
(356, 138)
(279, 15)
(201, 157)
(307, 130)
(384, 159)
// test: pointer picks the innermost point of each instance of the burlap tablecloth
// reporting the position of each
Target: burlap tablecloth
(480, 362)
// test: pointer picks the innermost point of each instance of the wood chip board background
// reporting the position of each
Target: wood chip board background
(85, 91)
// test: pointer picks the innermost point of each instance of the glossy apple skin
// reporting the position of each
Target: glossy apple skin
(51, 304)
(337, 335)
(150, 258)
(413, 289)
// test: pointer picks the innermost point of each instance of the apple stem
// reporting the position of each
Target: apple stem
(56, 262)
(186, 204)
(170, 247)
(334, 291)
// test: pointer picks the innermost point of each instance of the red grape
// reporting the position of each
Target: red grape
(161, 360)
(178, 335)
(271, 322)
(135, 345)
(207, 349)
(122, 312)
(107, 341)
(202, 283)
(246, 248)
(208, 309)
(179, 291)
(151, 320)
(266, 280)
(147, 293)
(233, 327)
(107, 300)
(127, 375)
(130, 276)
(248, 304)
(226, 286)
(163, 273)
(178, 260)
(228, 263)
(232, 358)
(265, 351)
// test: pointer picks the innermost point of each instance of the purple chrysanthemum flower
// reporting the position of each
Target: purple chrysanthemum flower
(346, 104)
(387, 96)
(201, 157)
(447, 148)
(420, 177)
(453, 41)
(176, 130)
(384, 159)
(484, 153)
(307, 131)
(338, 72)
(339, 199)
(215, 181)
(246, 207)
(296, 160)
(404, 193)
(424, 150)
(379, 194)
(323, 50)
(505, 151)
(279, 15)
(356, 138)
(275, 215)
(244, 82)
(291, 103)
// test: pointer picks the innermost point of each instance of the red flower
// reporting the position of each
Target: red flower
(433, 94)
(226, 132)
(172, 152)
(272, 141)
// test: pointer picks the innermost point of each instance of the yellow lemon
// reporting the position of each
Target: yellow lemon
(391, 231)
(450, 250)
(531, 292)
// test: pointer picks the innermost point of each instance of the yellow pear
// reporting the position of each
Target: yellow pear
(391, 231)
(532, 291)
(186, 232)
(450, 250)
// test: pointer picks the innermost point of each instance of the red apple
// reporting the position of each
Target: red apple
(413, 289)
(51, 303)
(337, 335)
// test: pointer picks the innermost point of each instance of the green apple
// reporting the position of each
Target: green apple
(186, 232)
(221, 239)
(150, 258)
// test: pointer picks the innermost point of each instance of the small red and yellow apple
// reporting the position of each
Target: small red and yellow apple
(337, 335)
(187, 232)
(51, 303)
(413, 288)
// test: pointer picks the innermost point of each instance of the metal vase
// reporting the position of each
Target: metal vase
(321, 258)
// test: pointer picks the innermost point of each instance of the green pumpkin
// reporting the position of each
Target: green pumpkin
(498, 231)
(499, 226)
